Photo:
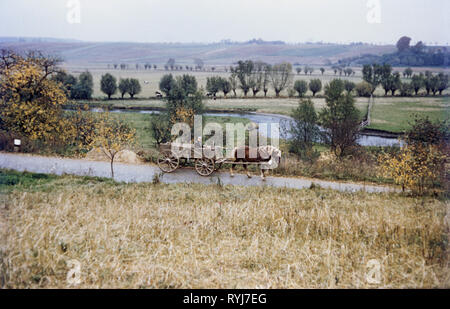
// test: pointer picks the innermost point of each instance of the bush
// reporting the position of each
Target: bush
(304, 130)
(420, 165)
(364, 89)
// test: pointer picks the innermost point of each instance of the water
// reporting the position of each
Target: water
(283, 121)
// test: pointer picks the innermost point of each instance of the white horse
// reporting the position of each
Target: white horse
(268, 156)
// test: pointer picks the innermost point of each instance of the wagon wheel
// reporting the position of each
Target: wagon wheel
(204, 166)
(168, 162)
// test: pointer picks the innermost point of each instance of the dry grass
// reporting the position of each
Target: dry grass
(196, 236)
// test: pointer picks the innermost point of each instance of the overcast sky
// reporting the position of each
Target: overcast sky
(377, 21)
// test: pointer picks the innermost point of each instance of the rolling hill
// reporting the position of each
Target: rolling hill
(87, 54)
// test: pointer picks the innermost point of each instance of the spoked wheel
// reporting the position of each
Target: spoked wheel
(167, 162)
(204, 166)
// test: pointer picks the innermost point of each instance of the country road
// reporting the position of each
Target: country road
(146, 172)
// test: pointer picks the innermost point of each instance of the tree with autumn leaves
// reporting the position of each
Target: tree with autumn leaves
(112, 136)
(30, 102)
(420, 164)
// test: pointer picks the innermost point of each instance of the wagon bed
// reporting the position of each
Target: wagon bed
(168, 161)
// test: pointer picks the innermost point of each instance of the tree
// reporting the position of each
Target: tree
(166, 84)
(171, 63)
(304, 129)
(349, 86)
(198, 63)
(442, 83)
(108, 85)
(306, 70)
(266, 78)
(340, 119)
(322, 70)
(417, 82)
(233, 82)
(281, 77)
(420, 164)
(396, 83)
(112, 136)
(66, 80)
(225, 86)
(301, 87)
(84, 88)
(428, 82)
(315, 85)
(348, 71)
(257, 77)
(408, 72)
(134, 87)
(182, 107)
(373, 74)
(124, 86)
(30, 102)
(406, 89)
(387, 79)
(299, 70)
(403, 43)
(188, 83)
(364, 89)
(213, 84)
(160, 128)
(244, 72)
(391, 82)
(434, 83)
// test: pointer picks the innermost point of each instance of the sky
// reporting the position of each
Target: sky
(337, 21)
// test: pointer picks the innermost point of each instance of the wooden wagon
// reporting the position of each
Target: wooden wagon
(169, 160)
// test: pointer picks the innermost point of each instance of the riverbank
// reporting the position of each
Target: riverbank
(390, 116)
(368, 137)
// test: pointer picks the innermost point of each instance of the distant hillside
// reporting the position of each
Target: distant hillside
(225, 53)
(414, 56)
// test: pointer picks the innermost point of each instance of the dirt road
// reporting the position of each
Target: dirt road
(147, 172)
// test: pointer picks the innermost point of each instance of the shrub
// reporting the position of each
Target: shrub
(364, 89)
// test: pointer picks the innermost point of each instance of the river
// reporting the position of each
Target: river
(283, 121)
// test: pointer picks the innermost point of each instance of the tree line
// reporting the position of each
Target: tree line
(376, 74)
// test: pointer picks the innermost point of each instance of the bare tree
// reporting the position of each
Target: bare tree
(281, 77)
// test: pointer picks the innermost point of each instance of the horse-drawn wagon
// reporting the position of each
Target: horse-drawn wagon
(206, 161)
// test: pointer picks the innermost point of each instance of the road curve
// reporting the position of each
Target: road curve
(145, 173)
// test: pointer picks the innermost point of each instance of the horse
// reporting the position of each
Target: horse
(267, 155)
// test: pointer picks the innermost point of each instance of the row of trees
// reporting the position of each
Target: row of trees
(377, 74)
(109, 86)
(80, 88)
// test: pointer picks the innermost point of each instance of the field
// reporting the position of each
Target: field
(197, 236)
(395, 115)
(154, 76)
(389, 114)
